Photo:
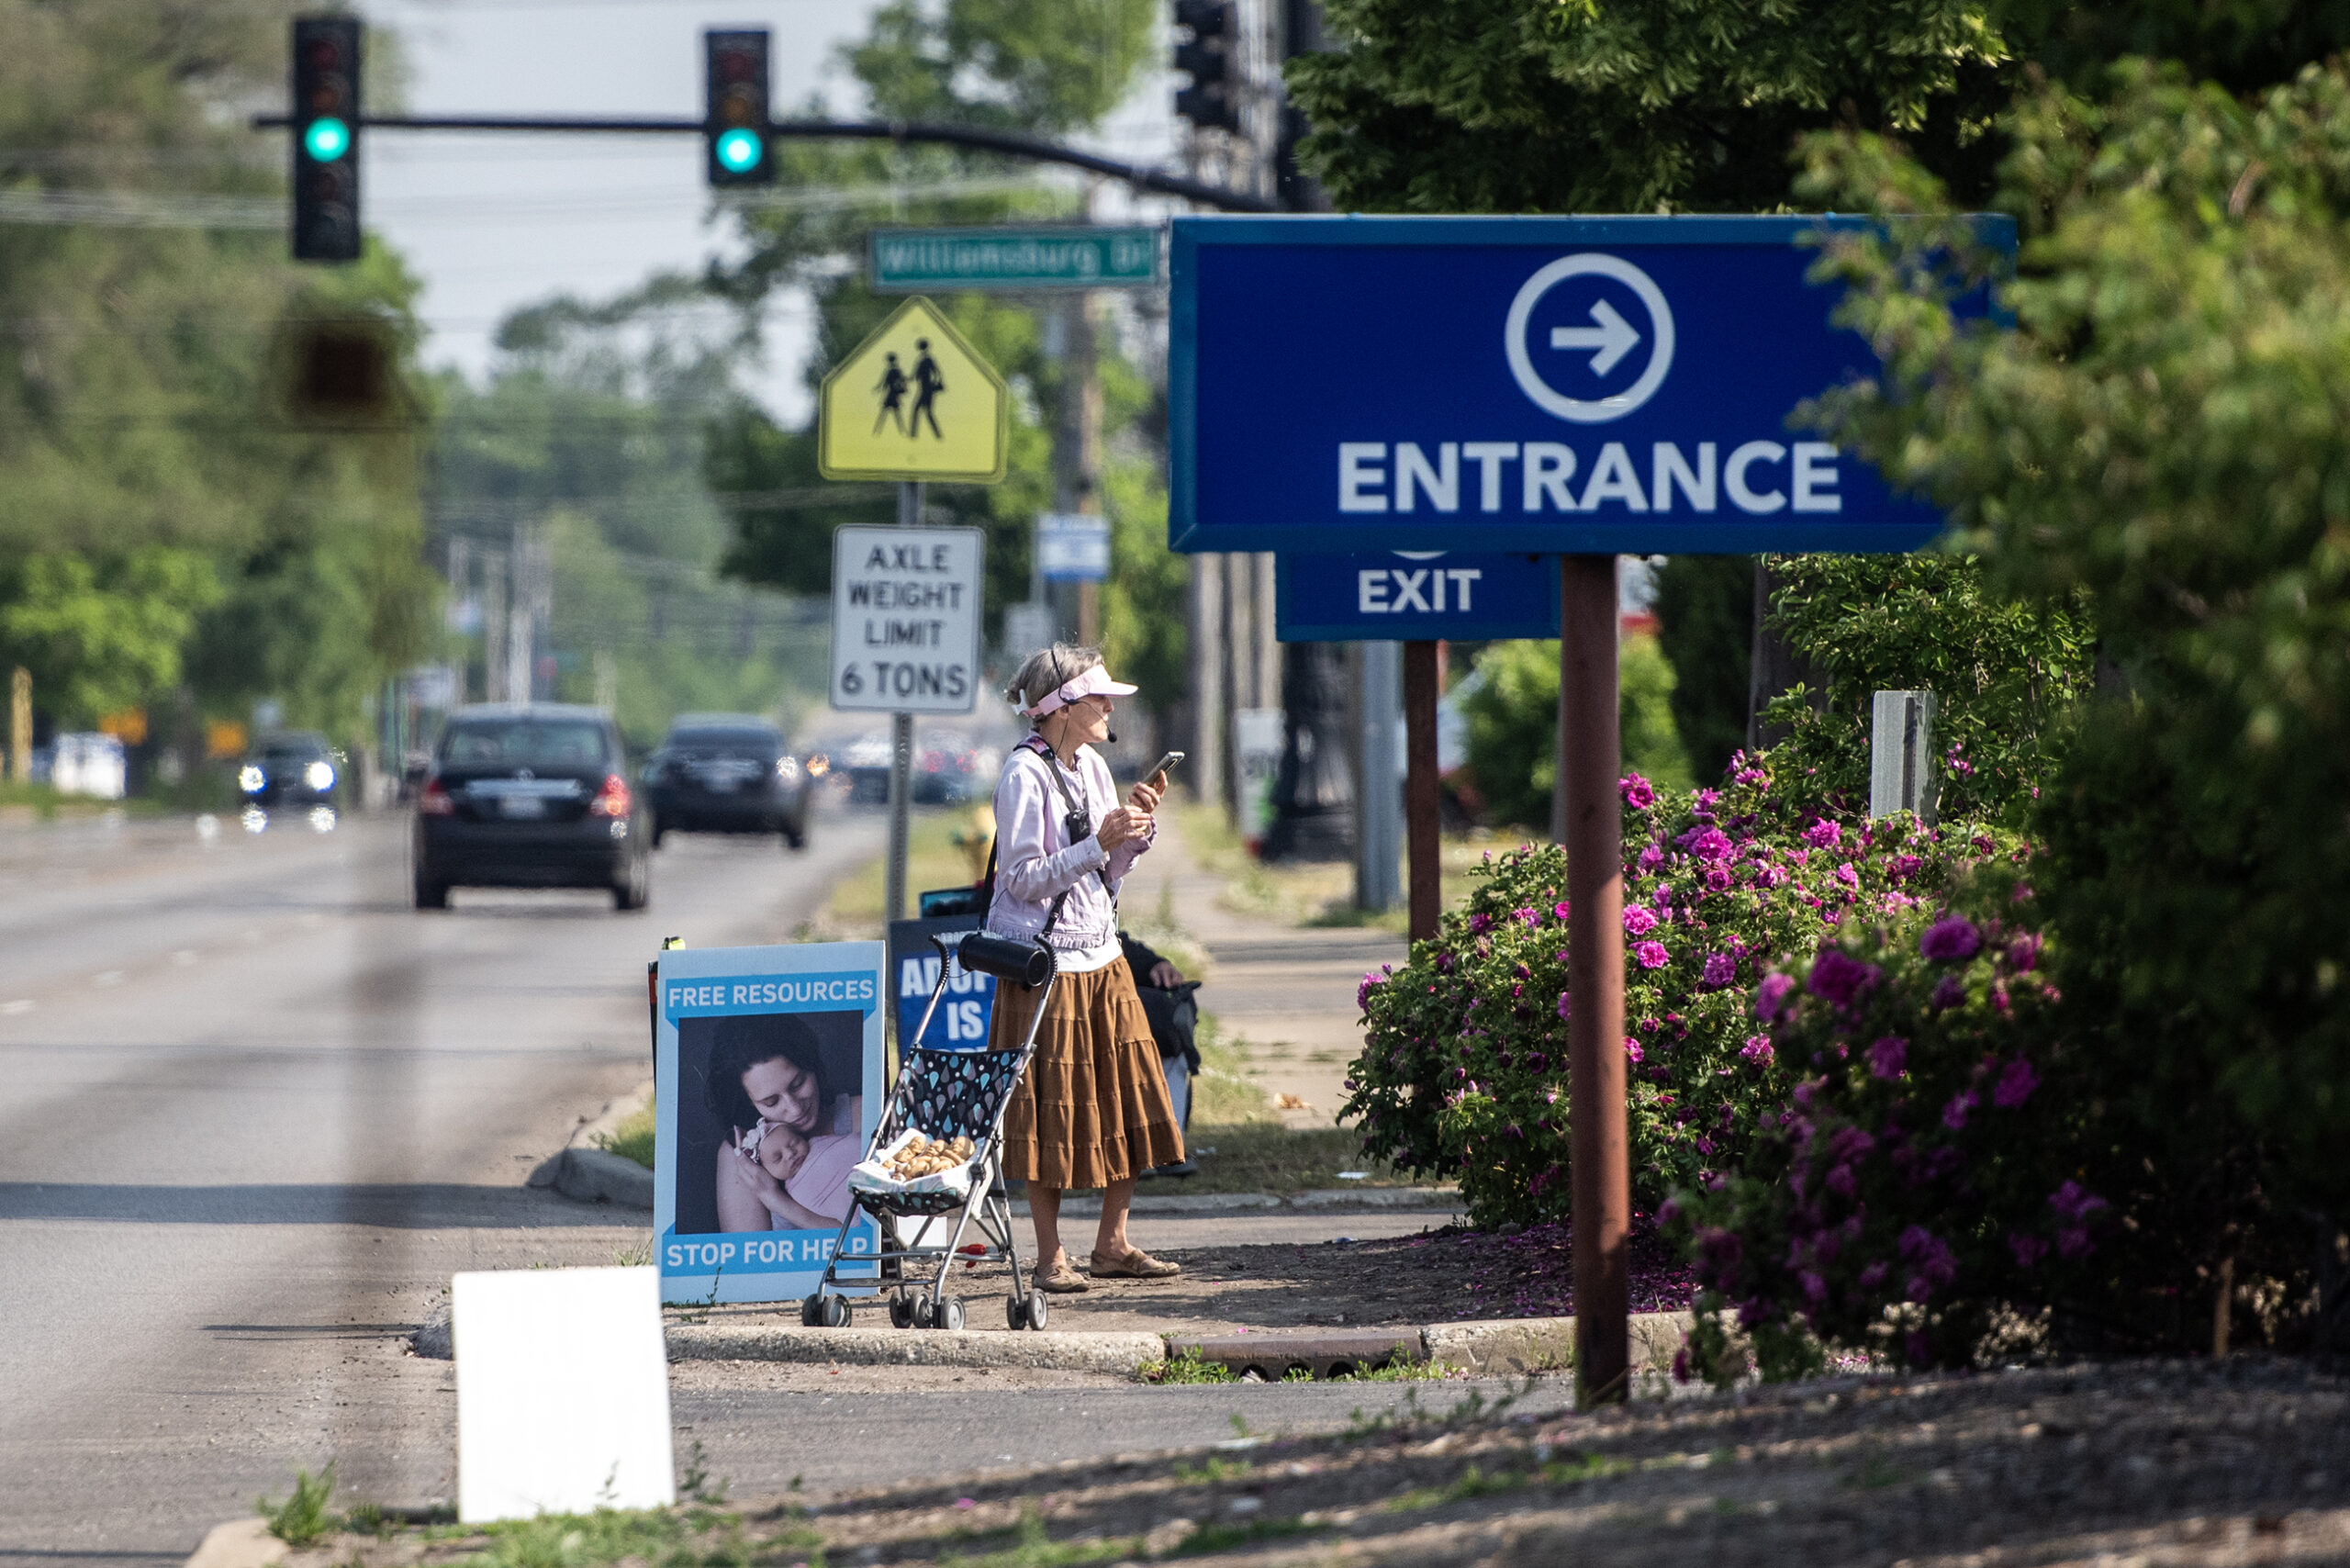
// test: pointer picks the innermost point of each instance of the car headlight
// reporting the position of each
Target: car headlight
(785, 768)
(320, 775)
(251, 778)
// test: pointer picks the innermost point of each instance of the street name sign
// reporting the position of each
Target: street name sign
(914, 402)
(1569, 386)
(1073, 547)
(906, 618)
(1415, 596)
(1014, 258)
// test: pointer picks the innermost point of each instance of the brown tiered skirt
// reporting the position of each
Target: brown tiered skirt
(1092, 1107)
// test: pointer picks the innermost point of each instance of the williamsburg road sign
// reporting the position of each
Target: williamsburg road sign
(914, 401)
(1015, 258)
(1565, 385)
(906, 618)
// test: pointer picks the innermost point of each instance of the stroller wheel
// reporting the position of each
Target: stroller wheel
(835, 1310)
(811, 1311)
(1016, 1310)
(902, 1313)
(950, 1313)
(1038, 1309)
(920, 1311)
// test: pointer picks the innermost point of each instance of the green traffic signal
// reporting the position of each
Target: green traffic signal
(740, 151)
(327, 139)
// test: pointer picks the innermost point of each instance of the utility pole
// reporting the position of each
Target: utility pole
(1080, 468)
(20, 725)
(1313, 794)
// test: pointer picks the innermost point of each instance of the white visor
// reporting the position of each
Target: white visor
(1095, 682)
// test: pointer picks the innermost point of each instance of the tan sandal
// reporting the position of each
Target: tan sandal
(1058, 1279)
(1135, 1265)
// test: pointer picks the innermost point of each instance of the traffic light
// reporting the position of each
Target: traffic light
(326, 138)
(1212, 102)
(734, 117)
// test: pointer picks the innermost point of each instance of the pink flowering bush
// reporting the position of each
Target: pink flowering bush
(1960, 1153)
(1463, 1072)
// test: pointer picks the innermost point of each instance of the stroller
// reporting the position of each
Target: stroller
(946, 1094)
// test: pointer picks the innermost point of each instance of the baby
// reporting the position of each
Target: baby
(814, 1170)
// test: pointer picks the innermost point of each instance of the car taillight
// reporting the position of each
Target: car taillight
(612, 799)
(435, 800)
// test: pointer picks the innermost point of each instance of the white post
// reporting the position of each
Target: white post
(1901, 754)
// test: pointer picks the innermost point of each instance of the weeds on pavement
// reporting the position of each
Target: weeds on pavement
(1185, 1368)
(303, 1516)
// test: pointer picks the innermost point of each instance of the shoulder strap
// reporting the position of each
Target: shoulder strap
(1076, 813)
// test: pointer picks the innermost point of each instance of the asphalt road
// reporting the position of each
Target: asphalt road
(254, 1111)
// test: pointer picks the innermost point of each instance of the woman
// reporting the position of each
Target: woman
(767, 1072)
(1092, 1109)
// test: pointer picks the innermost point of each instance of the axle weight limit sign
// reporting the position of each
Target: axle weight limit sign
(906, 618)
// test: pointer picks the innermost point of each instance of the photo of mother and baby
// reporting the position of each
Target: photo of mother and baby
(784, 1117)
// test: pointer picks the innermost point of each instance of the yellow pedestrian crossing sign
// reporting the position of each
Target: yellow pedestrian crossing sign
(914, 401)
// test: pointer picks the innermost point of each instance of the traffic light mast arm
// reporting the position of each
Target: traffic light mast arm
(1011, 144)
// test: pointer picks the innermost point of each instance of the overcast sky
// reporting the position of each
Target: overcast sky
(493, 222)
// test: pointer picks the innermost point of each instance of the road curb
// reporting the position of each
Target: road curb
(597, 1176)
(239, 1543)
(1509, 1347)
(1115, 1353)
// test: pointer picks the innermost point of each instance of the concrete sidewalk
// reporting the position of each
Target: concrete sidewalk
(1285, 995)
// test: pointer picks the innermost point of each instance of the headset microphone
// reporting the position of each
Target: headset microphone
(1112, 736)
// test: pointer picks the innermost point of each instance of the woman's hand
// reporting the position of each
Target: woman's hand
(1120, 825)
(1145, 798)
(1166, 976)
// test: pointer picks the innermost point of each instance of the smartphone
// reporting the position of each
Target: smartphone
(1166, 764)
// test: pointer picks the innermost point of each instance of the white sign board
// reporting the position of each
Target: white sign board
(563, 1393)
(906, 618)
(1073, 547)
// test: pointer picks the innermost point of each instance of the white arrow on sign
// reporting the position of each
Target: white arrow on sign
(1613, 337)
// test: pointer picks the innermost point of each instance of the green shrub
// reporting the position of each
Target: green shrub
(2160, 425)
(1512, 707)
(2005, 676)
(1464, 1070)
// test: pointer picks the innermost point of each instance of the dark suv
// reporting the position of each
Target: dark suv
(726, 773)
(530, 795)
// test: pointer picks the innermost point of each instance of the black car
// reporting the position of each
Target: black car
(290, 767)
(530, 795)
(726, 773)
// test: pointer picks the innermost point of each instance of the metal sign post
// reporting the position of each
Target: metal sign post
(1579, 388)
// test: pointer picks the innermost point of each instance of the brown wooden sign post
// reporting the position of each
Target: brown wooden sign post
(1421, 810)
(1600, 1151)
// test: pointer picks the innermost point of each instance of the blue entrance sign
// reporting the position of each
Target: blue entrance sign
(1567, 386)
(1411, 596)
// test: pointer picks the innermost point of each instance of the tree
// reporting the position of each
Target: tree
(1705, 611)
(150, 447)
(2164, 429)
(1523, 105)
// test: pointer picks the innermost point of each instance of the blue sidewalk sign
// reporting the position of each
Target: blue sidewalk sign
(1411, 596)
(964, 1013)
(1557, 384)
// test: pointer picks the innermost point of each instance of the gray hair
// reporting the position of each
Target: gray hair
(1046, 670)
